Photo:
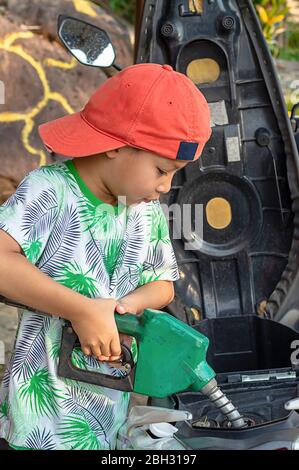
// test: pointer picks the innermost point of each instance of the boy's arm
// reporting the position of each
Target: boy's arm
(155, 295)
(23, 282)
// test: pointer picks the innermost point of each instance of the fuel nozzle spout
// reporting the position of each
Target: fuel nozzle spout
(220, 400)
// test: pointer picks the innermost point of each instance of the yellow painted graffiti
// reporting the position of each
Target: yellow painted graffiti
(85, 7)
(61, 65)
(8, 44)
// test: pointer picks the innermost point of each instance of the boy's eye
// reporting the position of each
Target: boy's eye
(161, 172)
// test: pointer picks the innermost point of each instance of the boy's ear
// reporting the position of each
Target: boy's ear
(112, 153)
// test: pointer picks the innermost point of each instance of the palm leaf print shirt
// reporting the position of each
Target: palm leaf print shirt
(100, 251)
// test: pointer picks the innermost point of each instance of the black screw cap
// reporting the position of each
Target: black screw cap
(227, 23)
(168, 30)
(263, 137)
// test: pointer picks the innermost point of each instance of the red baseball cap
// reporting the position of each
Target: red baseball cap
(147, 106)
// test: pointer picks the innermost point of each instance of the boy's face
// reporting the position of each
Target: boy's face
(140, 175)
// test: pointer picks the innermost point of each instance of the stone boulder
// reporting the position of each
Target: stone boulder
(40, 80)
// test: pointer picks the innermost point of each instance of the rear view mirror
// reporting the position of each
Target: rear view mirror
(89, 44)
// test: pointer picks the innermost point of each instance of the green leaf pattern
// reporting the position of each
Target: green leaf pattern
(99, 254)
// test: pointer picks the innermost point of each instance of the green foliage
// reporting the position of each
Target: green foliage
(272, 15)
(287, 53)
(291, 50)
(124, 8)
(292, 35)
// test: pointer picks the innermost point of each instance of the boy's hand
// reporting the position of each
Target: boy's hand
(125, 306)
(97, 331)
(154, 295)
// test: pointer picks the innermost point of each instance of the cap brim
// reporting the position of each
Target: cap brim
(73, 137)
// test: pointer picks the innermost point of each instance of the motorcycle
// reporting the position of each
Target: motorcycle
(239, 285)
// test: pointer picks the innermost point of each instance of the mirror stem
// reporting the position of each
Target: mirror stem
(117, 67)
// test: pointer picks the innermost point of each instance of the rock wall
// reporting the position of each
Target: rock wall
(40, 80)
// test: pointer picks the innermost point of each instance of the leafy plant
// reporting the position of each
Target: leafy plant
(272, 15)
(124, 8)
(293, 35)
(291, 51)
(288, 53)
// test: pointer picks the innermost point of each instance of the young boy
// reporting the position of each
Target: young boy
(86, 237)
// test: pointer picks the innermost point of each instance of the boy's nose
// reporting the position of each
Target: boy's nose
(165, 186)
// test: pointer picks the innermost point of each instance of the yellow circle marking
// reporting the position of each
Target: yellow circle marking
(218, 212)
(203, 71)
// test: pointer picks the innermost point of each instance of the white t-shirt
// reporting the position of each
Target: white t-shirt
(100, 251)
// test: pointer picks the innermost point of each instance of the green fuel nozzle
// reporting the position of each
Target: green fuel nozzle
(171, 359)
(171, 355)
